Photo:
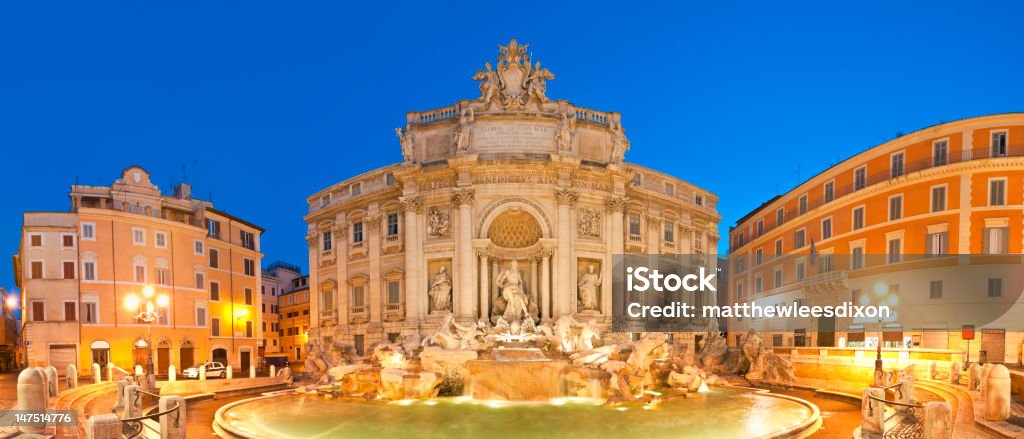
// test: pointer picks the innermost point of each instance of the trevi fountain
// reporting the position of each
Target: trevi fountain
(465, 292)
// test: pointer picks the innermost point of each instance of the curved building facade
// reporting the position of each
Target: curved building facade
(510, 183)
(929, 223)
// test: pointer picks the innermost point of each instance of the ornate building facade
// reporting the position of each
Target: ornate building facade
(889, 226)
(510, 205)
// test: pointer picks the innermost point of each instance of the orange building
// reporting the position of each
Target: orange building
(886, 226)
(294, 318)
(76, 270)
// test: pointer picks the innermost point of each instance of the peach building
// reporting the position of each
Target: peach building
(277, 278)
(295, 320)
(889, 224)
(76, 269)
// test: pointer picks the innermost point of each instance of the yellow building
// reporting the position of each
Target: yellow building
(892, 223)
(76, 270)
(294, 317)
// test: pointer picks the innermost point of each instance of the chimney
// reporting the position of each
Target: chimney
(183, 191)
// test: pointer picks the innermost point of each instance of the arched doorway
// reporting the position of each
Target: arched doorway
(220, 355)
(140, 353)
(187, 355)
(101, 354)
(163, 355)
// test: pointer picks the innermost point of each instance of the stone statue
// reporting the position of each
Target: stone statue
(437, 223)
(589, 223)
(462, 130)
(516, 301)
(537, 86)
(620, 144)
(441, 291)
(565, 129)
(405, 138)
(489, 85)
(588, 284)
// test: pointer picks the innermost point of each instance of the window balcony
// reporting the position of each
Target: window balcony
(358, 314)
(825, 282)
(394, 312)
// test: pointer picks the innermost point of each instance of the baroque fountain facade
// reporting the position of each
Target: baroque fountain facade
(478, 271)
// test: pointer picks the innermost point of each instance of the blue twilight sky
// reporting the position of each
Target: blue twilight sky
(264, 103)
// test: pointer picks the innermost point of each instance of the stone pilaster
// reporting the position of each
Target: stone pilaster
(463, 200)
(341, 293)
(566, 199)
(371, 228)
(414, 283)
(485, 287)
(615, 207)
(545, 285)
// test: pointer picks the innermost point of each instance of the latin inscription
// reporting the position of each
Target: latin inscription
(513, 137)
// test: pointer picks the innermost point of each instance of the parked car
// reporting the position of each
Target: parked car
(213, 370)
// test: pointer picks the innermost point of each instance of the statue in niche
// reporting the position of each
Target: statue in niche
(588, 289)
(489, 85)
(437, 223)
(517, 303)
(565, 129)
(441, 291)
(589, 224)
(405, 139)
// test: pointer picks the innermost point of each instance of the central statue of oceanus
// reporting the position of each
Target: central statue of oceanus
(517, 303)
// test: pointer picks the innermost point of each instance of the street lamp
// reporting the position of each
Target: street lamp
(884, 296)
(148, 309)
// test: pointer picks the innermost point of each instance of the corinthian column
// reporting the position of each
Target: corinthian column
(463, 198)
(545, 285)
(485, 287)
(616, 242)
(566, 199)
(411, 206)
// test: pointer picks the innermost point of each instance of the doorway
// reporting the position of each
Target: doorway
(101, 355)
(140, 353)
(826, 331)
(187, 355)
(163, 355)
(220, 355)
(993, 342)
(245, 361)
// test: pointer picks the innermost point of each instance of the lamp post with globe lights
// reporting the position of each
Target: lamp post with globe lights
(891, 299)
(148, 308)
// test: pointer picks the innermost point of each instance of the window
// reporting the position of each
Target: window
(138, 236)
(200, 280)
(214, 258)
(895, 207)
(89, 312)
(394, 293)
(35, 240)
(634, 224)
(799, 239)
(89, 231)
(857, 258)
(358, 341)
(249, 329)
(325, 240)
(89, 270)
(802, 204)
(214, 290)
(249, 267)
(778, 277)
(698, 200)
(164, 318)
(757, 284)
(995, 287)
(36, 269)
(940, 153)
(938, 198)
(67, 241)
(778, 247)
(826, 263)
(896, 165)
(997, 192)
(161, 277)
(248, 240)
(858, 218)
(670, 189)
(38, 311)
(636, 180)
(780, 216)
(358, 297)
(200, 315)
(160, 240)
(197, 247)
(248, 296)
(760, 227)
(357, 189)
(740, 238)
(996, 240)
(830, 191)
(140, 273)
(739, 290)
(935, 289)
(70, 311)
(740, 265)
(389, 179)
(894, 250)
(213, 228)
(826, 228)
(357, 232)
(758, 257)
(998, 145)
(325, 200)
(860, 178)
(670, 230)
(937, 244)
(215, 327)
(68, 269)
(392, 224)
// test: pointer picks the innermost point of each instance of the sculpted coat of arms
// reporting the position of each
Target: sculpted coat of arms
(514, 82)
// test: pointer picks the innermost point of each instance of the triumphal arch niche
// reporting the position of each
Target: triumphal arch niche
(509, 205)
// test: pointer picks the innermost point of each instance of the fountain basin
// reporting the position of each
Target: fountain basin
(527, 379)
(721, 412)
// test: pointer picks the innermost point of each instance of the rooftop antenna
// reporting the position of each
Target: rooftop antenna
(797, 172)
